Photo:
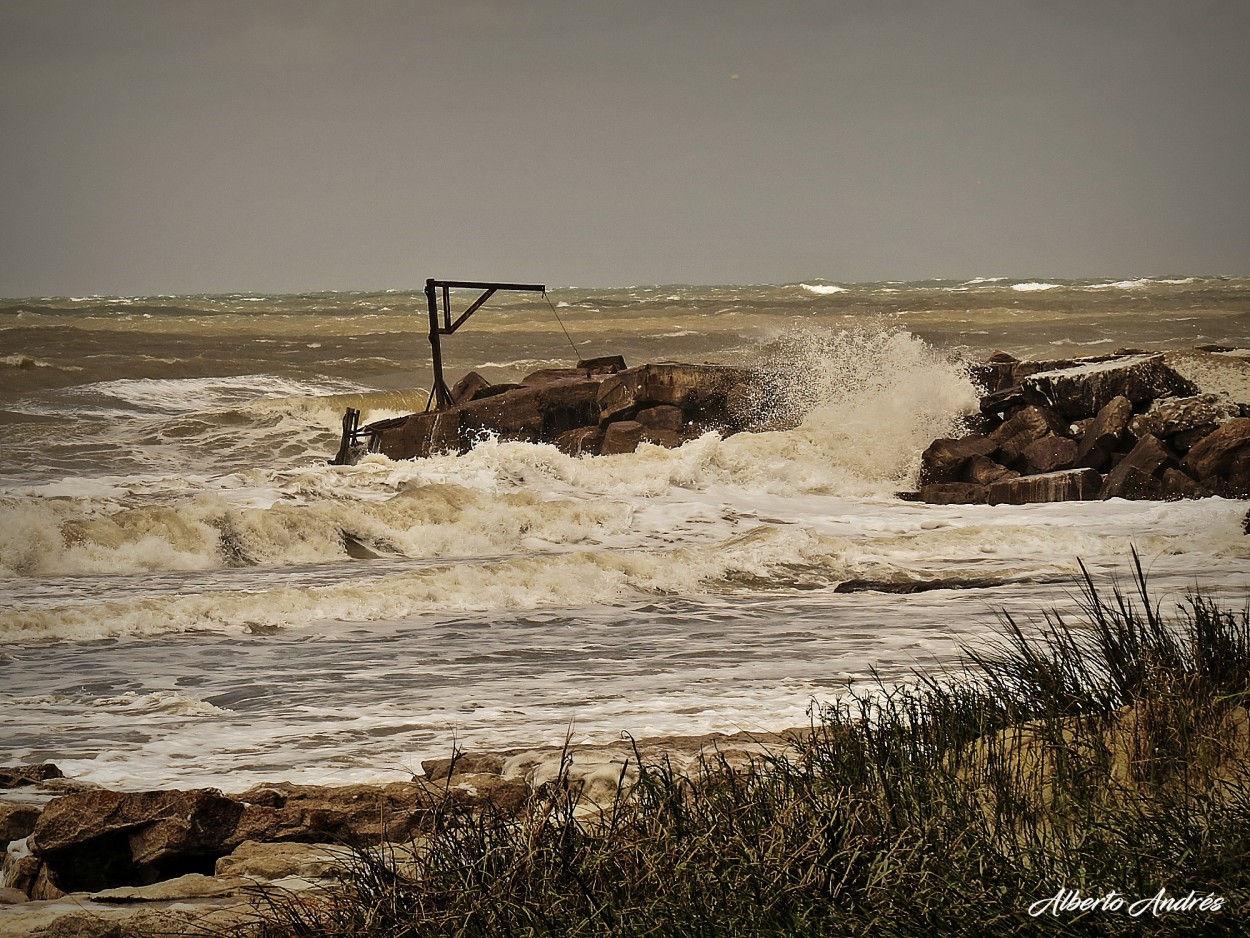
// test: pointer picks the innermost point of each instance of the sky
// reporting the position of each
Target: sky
(188, 146)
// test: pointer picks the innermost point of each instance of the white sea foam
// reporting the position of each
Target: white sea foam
(822, 289)
(1033, 287)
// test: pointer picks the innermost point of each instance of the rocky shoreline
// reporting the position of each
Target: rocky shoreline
(94, 863)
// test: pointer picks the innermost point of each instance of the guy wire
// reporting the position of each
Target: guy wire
(577, 356)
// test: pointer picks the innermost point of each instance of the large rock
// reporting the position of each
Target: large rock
(97, 839)
(1213, 455)
(1140, 473)
(1071, 485)
(1172, 416)
(1022, 429)
(953, 493)
(1050, 453)
(981, 470)
(1103, 433)
(700, 391)
(18, 776)
(17, 820)
(319, 814)
(945, 459)
(1084, 389)
(621, 437)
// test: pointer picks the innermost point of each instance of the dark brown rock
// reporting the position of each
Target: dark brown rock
(981, 470)
(1024, 428)
(584, 441)
(1140, 473)
(321, 814)
(701, 391)
(1085, 388)
(468, 388)
(953, 493)
(548, 375)
(663, 417)
(1069, 485)
(18, 776)
(1199, 414)
(1213, 455)
(93, 840)
(1010, 399)
(476, 763)
(1050, 453)
(1175, 485)
(603, 365)
(1024, 369)
(1102, 435)
(945, 459)
(621, 437)
(1237, 479)
(17, 820)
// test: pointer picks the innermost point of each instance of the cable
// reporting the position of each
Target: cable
(577, 356)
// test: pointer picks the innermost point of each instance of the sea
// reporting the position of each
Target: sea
(191, 595)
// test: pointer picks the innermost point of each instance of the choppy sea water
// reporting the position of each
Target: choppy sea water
(191, 595)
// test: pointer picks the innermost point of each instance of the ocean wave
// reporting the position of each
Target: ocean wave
(1034, 287)
(822, 289)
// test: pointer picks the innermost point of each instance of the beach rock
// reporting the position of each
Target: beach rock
(11, 896)
(98, 839)
(1213, 455)
(17, 820)
(533, 414)
(548, 375)
(1050, 453)
(700, 391)
(1175, 485)
(187, 886)
(1011, 399)
(1024, 369)
(1022, 429)
(945, 459)
(275, 861)
(477, 763)
(1140, 473)
(621, 437)
(339, 814)
(953, 493)
(981, 470)
(19, 776)
(993, 374)
(1104, 432)
(1172, 416)
(1237, 479)
(584, 441)
(663, 417)
(1069, 485)
(602, 365)
(1085, 388)
(468, 388)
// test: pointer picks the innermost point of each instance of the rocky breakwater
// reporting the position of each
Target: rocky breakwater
(1133, 424)
(600, 407)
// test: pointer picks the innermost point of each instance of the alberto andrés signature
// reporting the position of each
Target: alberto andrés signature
(1071, 900)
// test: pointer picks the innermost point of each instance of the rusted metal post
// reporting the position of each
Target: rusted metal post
(440, 394)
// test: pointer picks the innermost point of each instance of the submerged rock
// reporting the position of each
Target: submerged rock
(1069, 485)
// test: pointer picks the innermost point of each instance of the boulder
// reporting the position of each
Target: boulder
(97, 839)
(953, 493)
(1085, 388)
(993, 374)
(584, 441)
(477, 763)
(1024, 428)
(603, 365)
(18, 776)
(1172, 415)
(700, 391)
(17, 820)
(981, 470)
(1213, 455)
(536, 414)
(1069, 485)
(1010, 399)
(1050, 453)
(662, 417)
(621, 437)
(468, 388)
(1103, 433)
(1140, 473)
(275, 861)
(319, 814)
(945, 459)
(1175, 485)
(548, 375)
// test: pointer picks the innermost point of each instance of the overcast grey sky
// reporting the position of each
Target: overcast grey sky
(288, 145)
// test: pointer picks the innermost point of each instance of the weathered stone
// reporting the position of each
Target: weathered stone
(1024, 369)
(993, 374)
(1084, 389)
(953, 493)
(468, 388)
(621, 437)
(603, 365)
(17, 776)
(187, 886)
(701, 391)
(506, 795)
(478, 763)
(94, 840)
(1140, 473)
(584, 441)
(663, 417)
(1236, 482)
(17, 820)
(1069, 485)
(981, 470)
(1050, 453)
(1023, 428)
(275, 861)
(319, 814)
(1010, 399)
(548, 375)
(945, 459)
(535, 414)
(1102, 435)
(1175, 485)
(1170, 416)
(1213, 455)
(666, 438)
(11, 896)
